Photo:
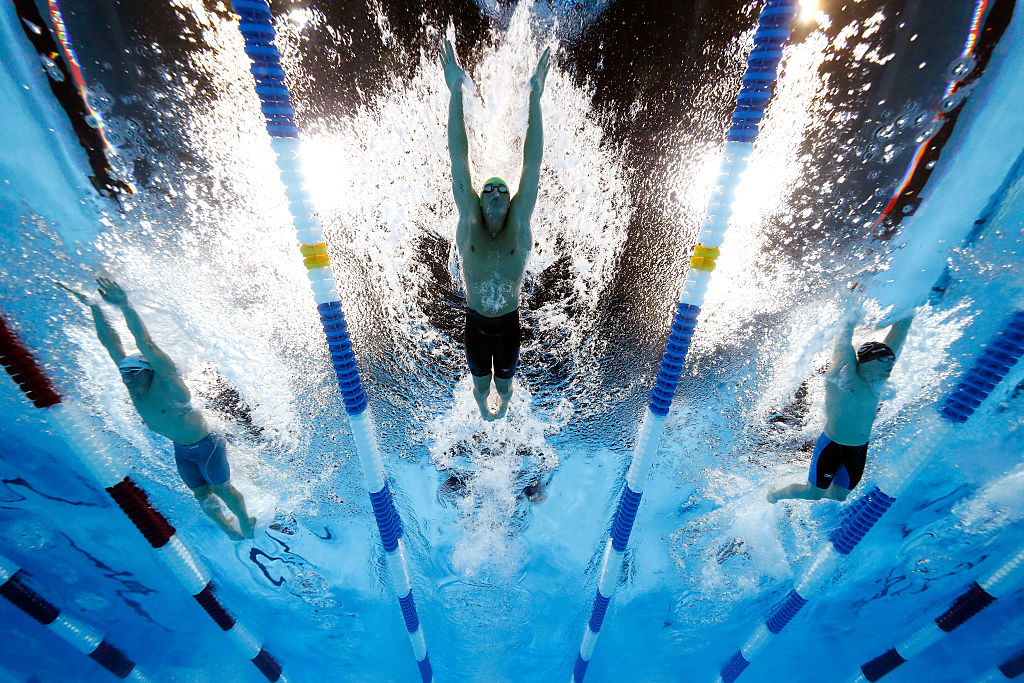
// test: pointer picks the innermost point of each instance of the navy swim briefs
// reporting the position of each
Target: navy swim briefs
(204, 463)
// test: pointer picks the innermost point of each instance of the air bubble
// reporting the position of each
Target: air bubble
(961, 67)
(902, 121)
(921, 119)
(885, 131)
(929, 132)
(952, 101)
(100, 101)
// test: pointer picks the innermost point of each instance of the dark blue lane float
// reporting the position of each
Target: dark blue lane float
(772, 33)
(275, 102)
(1002, 352)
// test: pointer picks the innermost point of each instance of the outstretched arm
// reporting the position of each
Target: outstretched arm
(533, 153)
(898, 334)
(107, 336)
(843, 352)
(115, 296)
(458, 143)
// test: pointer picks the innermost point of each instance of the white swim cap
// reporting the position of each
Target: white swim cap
(136, 361)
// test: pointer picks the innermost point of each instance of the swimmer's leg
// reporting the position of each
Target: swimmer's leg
(837, 492)
(801, 490)
(481, 390)
(204, 494)
(232, 497)
(504, 388)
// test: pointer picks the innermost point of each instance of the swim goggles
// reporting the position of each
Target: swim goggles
(131, 371)
(490, 187)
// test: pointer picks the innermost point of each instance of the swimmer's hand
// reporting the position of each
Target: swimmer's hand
(111, 291)
(83, 298)
(540, 74)
(454, 76)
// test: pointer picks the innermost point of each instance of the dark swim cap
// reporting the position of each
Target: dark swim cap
(873, 351)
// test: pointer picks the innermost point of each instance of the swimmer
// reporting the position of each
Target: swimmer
(853, 387)
(494, 241)
(164, 404)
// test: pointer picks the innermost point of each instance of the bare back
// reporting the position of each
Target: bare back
(493, 267)
(166, 408)
(851, 403)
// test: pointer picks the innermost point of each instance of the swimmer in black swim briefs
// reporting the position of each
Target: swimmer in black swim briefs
(492, 347)
(853, 389)
(492, 344)
(494, 239)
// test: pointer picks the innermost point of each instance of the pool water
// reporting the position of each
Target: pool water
(635, 114)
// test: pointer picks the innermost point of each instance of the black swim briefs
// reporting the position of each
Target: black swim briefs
(492, 343)
(836, 463)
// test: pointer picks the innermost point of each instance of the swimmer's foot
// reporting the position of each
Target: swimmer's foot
(248, 531)
(481, 402)
(234, 535)
(503, 408)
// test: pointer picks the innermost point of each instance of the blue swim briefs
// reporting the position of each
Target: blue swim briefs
(836, 463)
(204, 463)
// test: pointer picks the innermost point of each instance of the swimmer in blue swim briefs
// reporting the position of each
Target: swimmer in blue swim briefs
(164, 404)
(494, 241)
(853, 388)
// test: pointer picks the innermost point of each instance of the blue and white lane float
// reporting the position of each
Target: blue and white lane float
(93, 450)
(977, 597)
(84, 638)
(761, 73)
(1000, 355)
(1007, 671)
(257, 28)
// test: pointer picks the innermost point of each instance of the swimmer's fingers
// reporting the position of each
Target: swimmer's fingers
(540, 74)
(545, 60)
(447, 53)
(81, 296)
(111, 291)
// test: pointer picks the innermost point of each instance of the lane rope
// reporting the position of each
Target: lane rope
(257, 28)
(1002, 352)
(772, 33)
(94, 451)
(84, 638)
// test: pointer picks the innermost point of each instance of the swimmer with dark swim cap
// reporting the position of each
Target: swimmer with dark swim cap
(873, 350)
(164, 404)
(852, 392)
(494, 241)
